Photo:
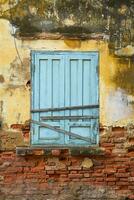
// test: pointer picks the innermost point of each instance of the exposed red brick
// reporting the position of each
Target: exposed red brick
(61, 172)
(63, 175)
(56, 152)
(74, 168)
(130, 154)
(122, 183)
(111, 183)
(118, 128)
(17, 126)
(86, 175)
(131, 179)
(122, 175)
(73, 172)
(75, 180)
(90, 180)
(111, 179)
(38, 152)
(120, 159)
(131, 197)
(99, 179)
(37, 169)
(131, 187)
(50, 172)
(107, 145)
(123, 179)
(109, 170)
(113, 170)
(75, 175)
(97, 175)
(122, 170)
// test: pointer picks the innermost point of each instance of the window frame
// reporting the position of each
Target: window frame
(32, 67)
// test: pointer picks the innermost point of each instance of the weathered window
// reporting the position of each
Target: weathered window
(65, 105)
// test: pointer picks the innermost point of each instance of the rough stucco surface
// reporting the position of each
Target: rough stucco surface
(73, 191)
(109, 26)
(113, 20)
(116, 78)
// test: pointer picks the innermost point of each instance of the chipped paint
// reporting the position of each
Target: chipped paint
(116, 64)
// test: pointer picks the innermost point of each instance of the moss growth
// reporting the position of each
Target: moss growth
(85, 152)
(74, 18)
(88, 16)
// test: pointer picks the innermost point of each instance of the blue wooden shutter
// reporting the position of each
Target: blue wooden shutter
(64, 80)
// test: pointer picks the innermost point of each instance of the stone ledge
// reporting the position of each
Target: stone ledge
(58, 151)
(58, 36)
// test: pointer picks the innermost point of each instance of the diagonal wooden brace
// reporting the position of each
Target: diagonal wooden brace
(63, 131)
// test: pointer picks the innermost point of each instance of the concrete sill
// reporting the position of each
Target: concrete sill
(57, 151)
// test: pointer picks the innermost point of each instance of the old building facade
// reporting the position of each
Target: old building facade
(103, 170)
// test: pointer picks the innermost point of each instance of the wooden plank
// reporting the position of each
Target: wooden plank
(65, 108)
(50, 96)
(36, 97)
(62, 131)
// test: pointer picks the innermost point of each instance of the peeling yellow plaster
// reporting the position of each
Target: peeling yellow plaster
(7, 49)
(16, 105)
(114, 108)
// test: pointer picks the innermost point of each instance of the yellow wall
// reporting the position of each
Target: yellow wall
(116, 96)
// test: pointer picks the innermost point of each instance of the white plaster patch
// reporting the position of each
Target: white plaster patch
(126, 52)
(117, 106)
(87, 163)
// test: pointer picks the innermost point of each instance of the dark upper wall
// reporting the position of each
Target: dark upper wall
(112, 19)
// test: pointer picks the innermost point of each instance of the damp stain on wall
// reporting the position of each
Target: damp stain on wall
(124, 75)
(103, 26)
(81, 18)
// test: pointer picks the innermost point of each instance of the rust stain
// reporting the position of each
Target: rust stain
(2, 79)
(1, 106)
(73, 43)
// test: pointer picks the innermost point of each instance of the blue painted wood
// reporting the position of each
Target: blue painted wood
(65, 79)
(83, 91)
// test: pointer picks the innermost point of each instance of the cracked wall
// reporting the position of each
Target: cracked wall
(104, 26)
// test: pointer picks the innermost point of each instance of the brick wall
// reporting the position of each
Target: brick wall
(100, 173)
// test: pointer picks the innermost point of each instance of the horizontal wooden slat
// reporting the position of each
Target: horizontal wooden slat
(65, 108)
(68, 117)
(63, 131)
